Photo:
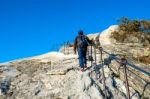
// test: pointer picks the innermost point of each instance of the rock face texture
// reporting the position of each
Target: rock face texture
(138, 80)
(48, 78)
(56, 75)
(105, 36)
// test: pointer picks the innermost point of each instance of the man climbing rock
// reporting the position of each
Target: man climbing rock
(81, 43)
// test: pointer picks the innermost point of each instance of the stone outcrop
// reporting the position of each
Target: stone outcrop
(56, 75)
(137, 80)
(38, 78)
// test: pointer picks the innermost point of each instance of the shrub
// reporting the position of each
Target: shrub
(133, 31)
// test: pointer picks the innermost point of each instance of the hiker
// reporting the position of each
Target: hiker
(81, 43)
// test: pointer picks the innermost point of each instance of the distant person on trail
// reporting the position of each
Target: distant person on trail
(81, 43)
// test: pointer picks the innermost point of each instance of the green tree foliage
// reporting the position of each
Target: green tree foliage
(145, 26)
(123, 20)
(138, 29)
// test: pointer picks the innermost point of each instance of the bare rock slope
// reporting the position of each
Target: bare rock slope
(57, 76)
(132, 51)
(38, 78)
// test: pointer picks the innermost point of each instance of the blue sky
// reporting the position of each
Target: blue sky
(33, 27)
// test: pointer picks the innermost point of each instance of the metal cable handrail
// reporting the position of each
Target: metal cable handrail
(123, 63)
(129, 64)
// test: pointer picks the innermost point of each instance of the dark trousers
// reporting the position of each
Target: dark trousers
(82, 57)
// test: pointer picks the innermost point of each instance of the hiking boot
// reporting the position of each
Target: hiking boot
(85, 66)
(82, 69)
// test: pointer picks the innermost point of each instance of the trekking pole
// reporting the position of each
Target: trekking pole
(104, 84)
(123, 63)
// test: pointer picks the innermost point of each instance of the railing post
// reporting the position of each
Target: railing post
(88, 54)
(95, 53)
(91, 56)
(123, 63)
(68, 47)
(104, 84)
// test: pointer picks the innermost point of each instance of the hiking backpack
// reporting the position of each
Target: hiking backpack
(82, 41)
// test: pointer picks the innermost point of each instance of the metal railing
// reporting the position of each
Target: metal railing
(121, 60)
(103, 74)
(123, 63)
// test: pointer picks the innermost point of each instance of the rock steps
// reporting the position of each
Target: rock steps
(60, 81)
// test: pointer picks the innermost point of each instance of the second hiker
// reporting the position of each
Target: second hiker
(81, 43)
